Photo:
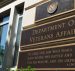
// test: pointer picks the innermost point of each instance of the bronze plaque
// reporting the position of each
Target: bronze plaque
(63, 6)
(49, 32)
(60, 57)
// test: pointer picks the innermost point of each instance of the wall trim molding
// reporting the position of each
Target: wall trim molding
(5, 2)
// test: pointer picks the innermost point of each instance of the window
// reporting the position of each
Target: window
(3, 35)
(18, 36)
(19, 10)
(0, 33)
(19, 31)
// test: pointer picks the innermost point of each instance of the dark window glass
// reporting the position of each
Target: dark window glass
(19, 31)
(3, 35)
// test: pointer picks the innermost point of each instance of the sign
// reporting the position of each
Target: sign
(63, 6)
(60, 57)
(49, 32)
(55, 57)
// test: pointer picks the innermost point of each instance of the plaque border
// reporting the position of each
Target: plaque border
(52, 41)
(57, 14)
(58, 46)
(49, 22)
(49, 69)
(45, 69)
